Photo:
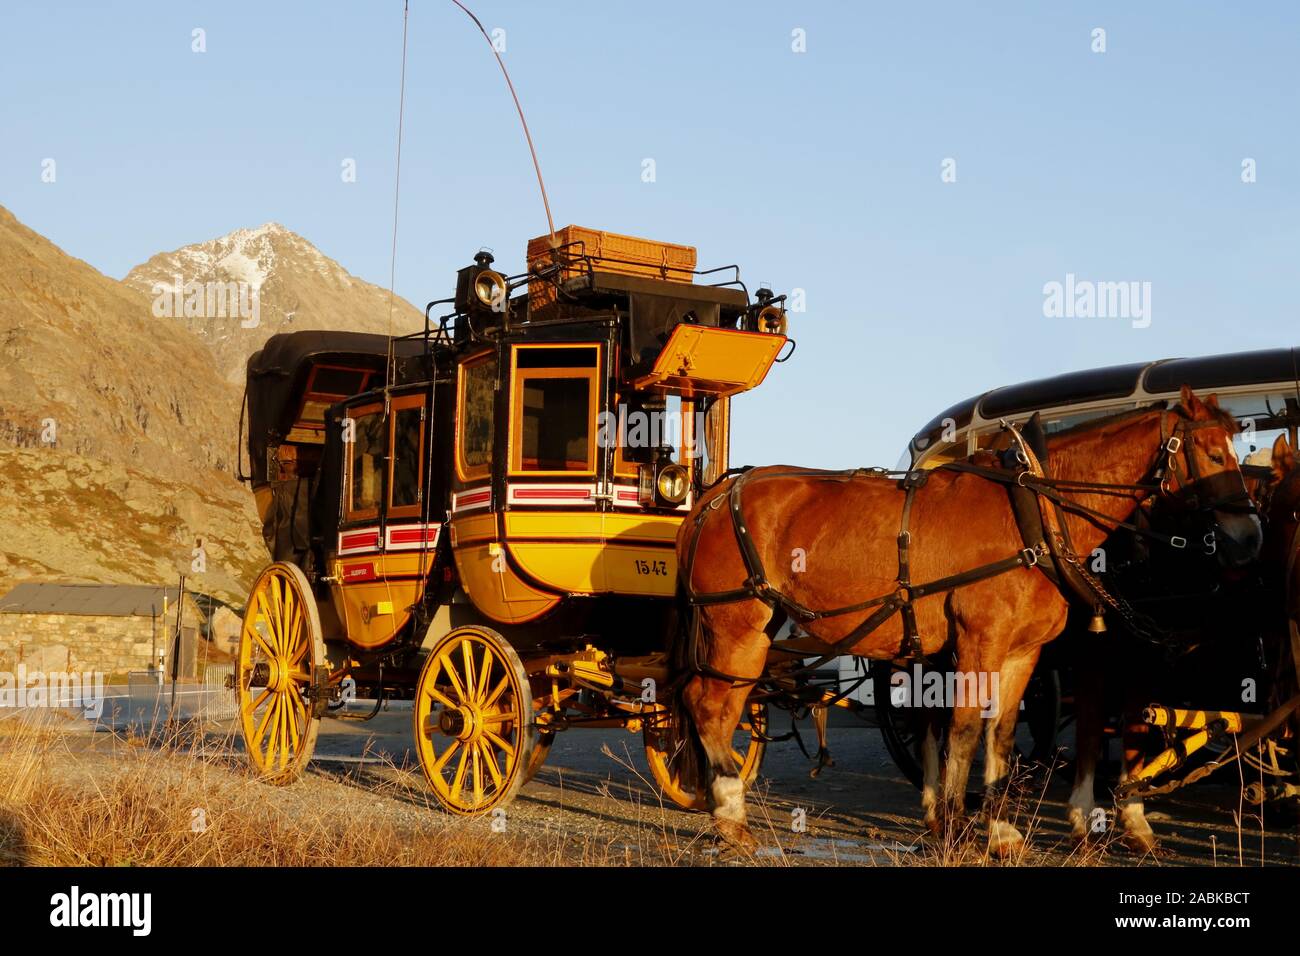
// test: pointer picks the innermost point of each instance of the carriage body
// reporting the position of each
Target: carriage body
(518, 469)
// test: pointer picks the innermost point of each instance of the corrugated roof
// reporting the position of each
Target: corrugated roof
(99, 600)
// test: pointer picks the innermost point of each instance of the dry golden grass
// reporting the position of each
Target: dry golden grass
(138, 808)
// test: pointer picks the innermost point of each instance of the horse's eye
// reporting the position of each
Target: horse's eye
(1216, 457)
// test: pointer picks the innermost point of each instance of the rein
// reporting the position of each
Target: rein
(1052, 548)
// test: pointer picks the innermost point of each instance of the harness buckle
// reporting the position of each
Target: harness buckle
(1211, 543)
(1173, 445)
(1030, 557)
(1177, 541)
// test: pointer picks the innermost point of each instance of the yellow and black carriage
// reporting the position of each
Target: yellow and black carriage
(481, 517)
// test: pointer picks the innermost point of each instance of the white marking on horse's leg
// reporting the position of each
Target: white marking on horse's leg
(729, 799)
(1133, 822)
(994, 766)
(930, 774)
(1081, 800)
(1004, 839)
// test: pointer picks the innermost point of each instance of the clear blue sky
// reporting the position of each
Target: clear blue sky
(818, 170)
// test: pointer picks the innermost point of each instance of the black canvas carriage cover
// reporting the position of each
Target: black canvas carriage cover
(277, 375)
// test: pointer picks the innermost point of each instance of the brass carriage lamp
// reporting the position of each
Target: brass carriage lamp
(481, 290)
(661, 481)
(767, 314)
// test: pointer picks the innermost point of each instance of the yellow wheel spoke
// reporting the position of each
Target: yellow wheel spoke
(490, 759)
(507, 747)
(265, 611)
(451, 676)
(266, 648)
(262, 724)
(291, 721)
(300, 705)
(446, 755)
(291, 716)
(274, 711)
(478, 773)
(458, 780)
(278, 734)
(288, 616)
(440, 697)
(276, 608)
(467, 652)
(496, 692)
(501, 717)
(258, 703)
(303, 648)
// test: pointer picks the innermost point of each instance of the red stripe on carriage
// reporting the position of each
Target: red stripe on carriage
(552, 493)
(359, 539)
(473, 498)
(413, 535)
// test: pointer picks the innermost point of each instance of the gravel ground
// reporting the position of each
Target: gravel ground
(595, 791)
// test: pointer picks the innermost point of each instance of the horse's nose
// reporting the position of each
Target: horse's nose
(1239, 538)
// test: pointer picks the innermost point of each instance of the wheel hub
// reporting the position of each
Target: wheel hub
(461, 722)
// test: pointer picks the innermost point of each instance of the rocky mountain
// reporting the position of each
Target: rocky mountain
(119, 402)
(236, 291)
(117, 435)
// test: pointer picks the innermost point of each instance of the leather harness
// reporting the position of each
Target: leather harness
(1045, 536)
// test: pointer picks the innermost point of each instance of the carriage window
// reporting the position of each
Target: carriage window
(554, 410)
(366, 471)
(408, 434)
(1262, 418)
(475, 417)
(643, 423)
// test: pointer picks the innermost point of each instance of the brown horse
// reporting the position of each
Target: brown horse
(830, 540)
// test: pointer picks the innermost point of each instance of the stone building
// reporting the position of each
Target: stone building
(110, 628)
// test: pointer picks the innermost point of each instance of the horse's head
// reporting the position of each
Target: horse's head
(1202, 474)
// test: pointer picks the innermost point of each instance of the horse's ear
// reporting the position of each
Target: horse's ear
(1213, 401)
(1283, 458)
(1191, 404)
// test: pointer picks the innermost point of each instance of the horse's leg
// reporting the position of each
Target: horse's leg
(930, 767)
(1089, 716)
(716, 706)
(1137, 832)
(1012, 679)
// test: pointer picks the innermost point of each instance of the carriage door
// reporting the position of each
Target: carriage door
(386, 543)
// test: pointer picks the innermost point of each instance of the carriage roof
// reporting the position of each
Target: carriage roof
(1136, 382)
(286, 379)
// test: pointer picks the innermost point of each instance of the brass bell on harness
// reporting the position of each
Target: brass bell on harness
(1098, 623)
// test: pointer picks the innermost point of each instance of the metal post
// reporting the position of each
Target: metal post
(176, 642)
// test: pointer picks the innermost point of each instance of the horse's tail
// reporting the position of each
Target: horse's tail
(686, 633)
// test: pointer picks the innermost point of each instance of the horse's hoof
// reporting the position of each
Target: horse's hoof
(1140, 841)
(736, 834)
(1005, 841)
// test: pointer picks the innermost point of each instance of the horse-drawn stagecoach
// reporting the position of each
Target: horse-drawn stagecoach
(523, 520)
(481, 517)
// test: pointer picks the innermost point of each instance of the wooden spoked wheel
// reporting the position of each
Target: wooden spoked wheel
(541, 747)
(474, 727)
(280, 648)
(664, 745)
